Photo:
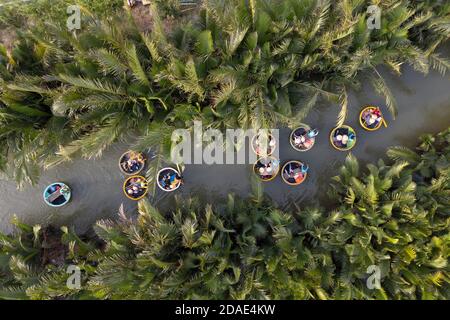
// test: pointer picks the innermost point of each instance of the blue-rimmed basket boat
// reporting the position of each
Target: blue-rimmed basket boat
(57, 194)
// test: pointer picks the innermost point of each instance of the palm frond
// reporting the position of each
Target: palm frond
(139, 73)
(343, 101)
(438, 63)
(92, 84)
(382, 88)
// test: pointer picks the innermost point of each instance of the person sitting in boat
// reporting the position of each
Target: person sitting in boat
(344, 138)
(136, 187)
(170, 180)
(304, 139)
(132, 162)
(294, 173)
(372, 117)
(260, 143)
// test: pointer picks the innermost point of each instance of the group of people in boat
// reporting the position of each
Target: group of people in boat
(132, 162)
(57, 194)
(264, 144)
(293, 172)
(169, 179)
(136, 186)
(371, 118)
(266, 167)
(303, 138)
(343, 138)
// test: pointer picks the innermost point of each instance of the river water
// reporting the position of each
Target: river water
(424, 107)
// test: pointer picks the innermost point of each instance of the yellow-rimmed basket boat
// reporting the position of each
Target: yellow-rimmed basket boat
(375, 115)
(343, 138)
(266, 168)
(293, 175)
(135, 187)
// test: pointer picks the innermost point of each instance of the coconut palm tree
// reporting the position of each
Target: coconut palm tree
(29, 130)
(255, 63)
(393, 225)
(393, 216)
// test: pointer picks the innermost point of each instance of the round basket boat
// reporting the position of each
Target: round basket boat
(135, 187)
(57, 194)
(169, 179)
(343, 138)
(132, 163)
(371, 118)
(266, 168)
(303, 138)
(294, 173)
(258, 145)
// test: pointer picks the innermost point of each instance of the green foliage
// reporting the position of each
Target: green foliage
(395, 216)
(55, 10)
(233, 63)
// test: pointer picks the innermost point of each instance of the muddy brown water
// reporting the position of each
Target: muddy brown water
(424, 107)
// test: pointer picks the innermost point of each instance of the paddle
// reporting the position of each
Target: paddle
(55, 195)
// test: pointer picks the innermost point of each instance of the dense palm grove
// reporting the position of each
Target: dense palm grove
(394, 215)
(238, 63)
(234, 63)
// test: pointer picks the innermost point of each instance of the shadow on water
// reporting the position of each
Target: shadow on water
(424, 107)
